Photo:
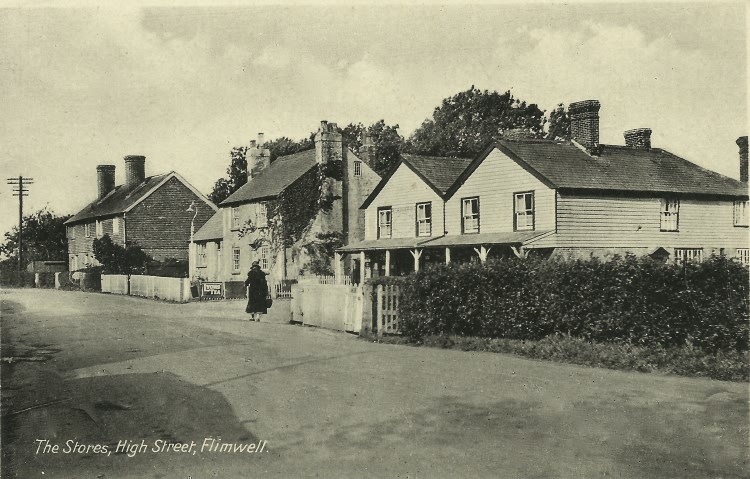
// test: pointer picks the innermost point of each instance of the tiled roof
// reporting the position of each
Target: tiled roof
(211, 229)
(440, 172)
(118, 200)
(620, 168)
(274, 178)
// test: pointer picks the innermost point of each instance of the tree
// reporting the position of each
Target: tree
(236, 176)
(387, 143)
(44, 238)
(559, 123)
(117, 259)
(285, 146)
(464, 124)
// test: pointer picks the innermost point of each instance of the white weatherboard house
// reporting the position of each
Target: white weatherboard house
(565, 198)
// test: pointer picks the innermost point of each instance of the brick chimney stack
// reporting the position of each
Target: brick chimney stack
(105, 179)
(258, 158)
(638, 138)
(135, 170)
(584, 123)
(742, 143)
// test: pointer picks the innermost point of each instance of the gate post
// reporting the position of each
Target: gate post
(381, 326)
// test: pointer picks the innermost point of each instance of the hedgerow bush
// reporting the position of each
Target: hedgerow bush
(627, 299)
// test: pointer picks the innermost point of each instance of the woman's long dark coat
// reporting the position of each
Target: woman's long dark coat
(256, 297)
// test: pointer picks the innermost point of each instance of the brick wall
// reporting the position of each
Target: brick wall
(160, 224)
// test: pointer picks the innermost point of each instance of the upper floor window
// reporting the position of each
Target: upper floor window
(99, 229)
(470, 215)
(683, 255)
(524, 211)
(235, 260)
(71, 232)
(670, 214)
(357, 168)
(115, 226)
(424, 219)
(201, 247)
(384, 222)
(265, 255)
(741, 213)
(235, 217)
(87, 230)
(261, 214)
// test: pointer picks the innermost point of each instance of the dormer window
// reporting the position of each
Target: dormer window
(670, 214)
(741, 216)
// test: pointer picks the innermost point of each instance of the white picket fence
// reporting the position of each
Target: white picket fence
(171, 289)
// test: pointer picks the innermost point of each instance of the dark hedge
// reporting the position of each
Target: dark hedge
(633, 300)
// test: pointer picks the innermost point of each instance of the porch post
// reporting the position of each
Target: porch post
(417, 253)
(337, 267)
(387, 262)
(447, 255)
(362, 260)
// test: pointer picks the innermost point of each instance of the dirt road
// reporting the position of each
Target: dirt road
(99, 386)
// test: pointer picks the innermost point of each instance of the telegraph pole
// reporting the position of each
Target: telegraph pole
(20, 190)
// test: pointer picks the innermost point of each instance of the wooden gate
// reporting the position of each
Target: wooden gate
(387, 309)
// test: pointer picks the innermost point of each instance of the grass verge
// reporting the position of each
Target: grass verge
(684, 361)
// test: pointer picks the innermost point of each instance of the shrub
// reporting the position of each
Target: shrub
(15, 279)
(632, 300)
(91, 279)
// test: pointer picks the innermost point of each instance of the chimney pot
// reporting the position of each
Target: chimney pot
(260, 139)
(135, 170)
(333, 141)
(638, 138)
(742, 143)
(105, 179)
(584, 123)
(252, 143)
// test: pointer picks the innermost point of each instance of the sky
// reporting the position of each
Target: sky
(183, 85)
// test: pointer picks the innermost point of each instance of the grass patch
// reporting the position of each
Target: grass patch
(683, 361)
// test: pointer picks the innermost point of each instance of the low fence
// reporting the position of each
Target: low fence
(157, 287)
(115, 284)
(282, 289)
(331, 306)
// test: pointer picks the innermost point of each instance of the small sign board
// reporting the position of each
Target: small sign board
(213, 290)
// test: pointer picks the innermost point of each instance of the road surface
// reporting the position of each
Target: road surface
(101, 386)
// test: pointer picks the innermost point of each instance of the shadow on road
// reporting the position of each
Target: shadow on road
(107, 410)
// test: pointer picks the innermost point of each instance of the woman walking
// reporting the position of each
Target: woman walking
(257, 293)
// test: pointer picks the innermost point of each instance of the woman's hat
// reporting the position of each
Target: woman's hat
(255, 263)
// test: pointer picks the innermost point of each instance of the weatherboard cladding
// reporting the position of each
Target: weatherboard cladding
(274, 178)
(117, 201)
(619, 168)
(213, 229)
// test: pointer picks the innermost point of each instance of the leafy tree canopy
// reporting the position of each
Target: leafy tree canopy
(387, 143)
(44, 239)
(559, 123)
(464, 124)
(117, 259)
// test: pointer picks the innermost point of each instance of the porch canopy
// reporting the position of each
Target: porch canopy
(482, 243)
